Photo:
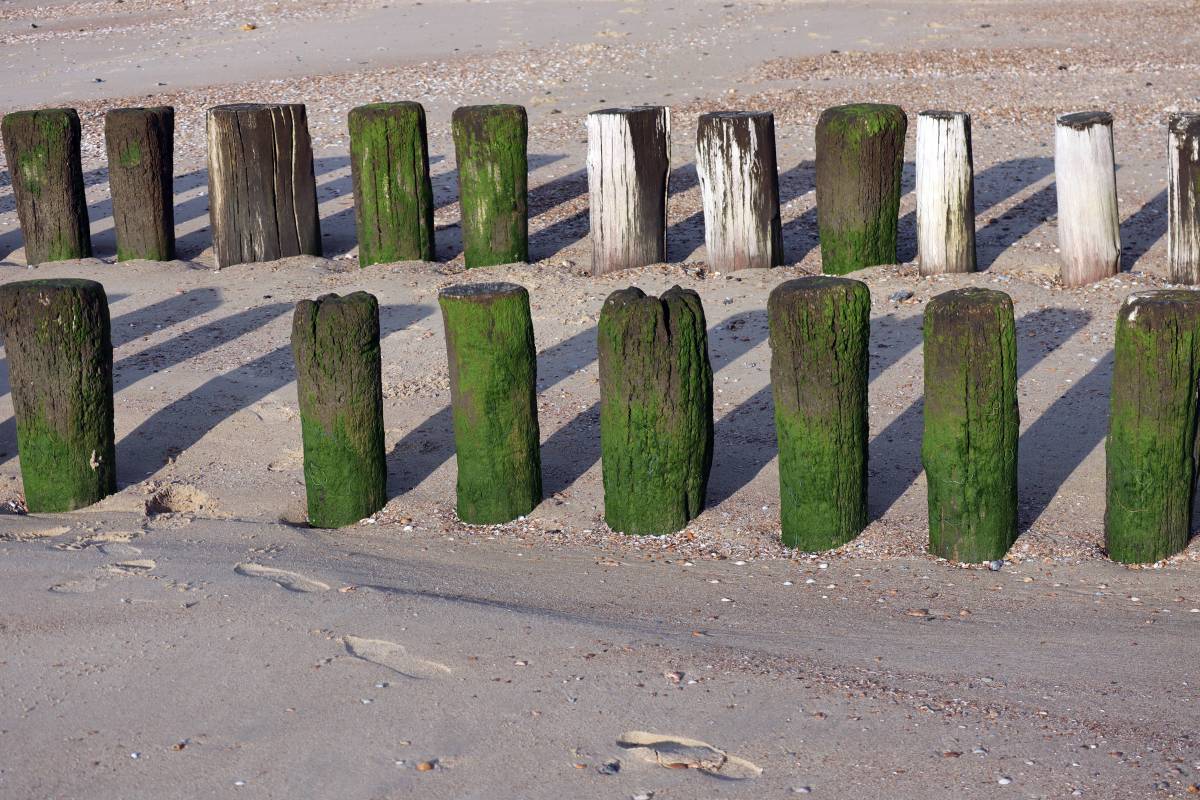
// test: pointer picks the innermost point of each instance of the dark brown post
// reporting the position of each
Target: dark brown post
(140, 144)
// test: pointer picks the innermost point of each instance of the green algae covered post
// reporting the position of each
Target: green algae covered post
(820, 328)
(489, 144)
(860, 154)
(493, 393)
(140, 144)
(59, 348)
(335, 341)
(42, 148)
(656, 410)
(393, 195)
(1151, 447)
(971, 424)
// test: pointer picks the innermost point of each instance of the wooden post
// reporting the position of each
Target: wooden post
(1183, 204)
(1151, 446)
(820, 328)
(493, 392)
(335, 342)
(860, 155)
(656, 415)
(739, 184)
(262, 194)
(945, 193)
(1089, 233)
(493, 179)
(141, 144)
(42, 148)
(628, 165)
(59, 347)
(393, 194)
(971, 424)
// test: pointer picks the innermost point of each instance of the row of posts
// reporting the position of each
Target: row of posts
(263, 203)
(656, 409)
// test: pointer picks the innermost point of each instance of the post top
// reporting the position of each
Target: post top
(387, 105)
(234, 108)
(481, 291)
(489, 108)
(68, 112)
(737, 114)
(1182, 121)
(138, 110)
(944, 115)
(1082, 120)
(817, 284)
(627, 112)
(969, 299)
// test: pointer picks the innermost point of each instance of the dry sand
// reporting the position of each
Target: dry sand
(190, 637)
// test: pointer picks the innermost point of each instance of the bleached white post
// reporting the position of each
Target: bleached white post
(739, 187)
(628, 164)
(1089, 233)
(1183, 197)
(945, 193)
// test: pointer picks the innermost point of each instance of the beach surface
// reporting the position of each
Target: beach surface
(190, 636)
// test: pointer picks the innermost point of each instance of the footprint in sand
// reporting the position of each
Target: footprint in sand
(137, 566)
(681, 752)
(393, 656)
(119, 549)
(292, 581)
(81, 586)
(29, 534)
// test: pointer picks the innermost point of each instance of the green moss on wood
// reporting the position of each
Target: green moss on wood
(860, 155)
(335, 341)
(140, 144)
(59, 349)
(490, 146)
(820, 328)
(1151, 446)
(393, 194)
(47, 177)
(972, 424)
(656, 424)
(493, 389)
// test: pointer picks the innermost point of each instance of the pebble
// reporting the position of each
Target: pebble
(643, 796)
(996, 566)
(1004, 781)
(903, 294)
(802, 789)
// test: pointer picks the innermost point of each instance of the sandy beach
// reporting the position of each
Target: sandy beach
(190, 636)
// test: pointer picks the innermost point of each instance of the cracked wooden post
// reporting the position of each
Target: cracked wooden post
(739, 185)
(972, 424)
(261, 189)
(628, 166)
(945, 193)
(393, 194)
(493, 393)
(1183, 193)
(42, 148)
(656, 410)
(59, 347)
(1089, 232)
(1151, 446)
(860, 156)
(140, 144)
(335, 342)
(493, 179)
(820, 328)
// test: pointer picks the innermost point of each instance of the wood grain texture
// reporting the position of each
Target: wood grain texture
(140, 143)
(739, 186)
(628, 165)
(1089, 234)
(261, 187)
(1183, 198)
(945, 193)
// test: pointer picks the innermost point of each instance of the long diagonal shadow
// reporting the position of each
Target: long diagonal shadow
(745, 436)
(1076, 422)
(895, 456)
(176, 427)
(1141, 230)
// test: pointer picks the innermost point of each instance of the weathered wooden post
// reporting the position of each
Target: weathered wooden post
(628, 165)
(945, 193)
(393, 194)
(1151, 446)
(262, 193)
(739, 186)
(59, 348)
(860, 156)
(1089, 233)
(42, 148)
(335, 342)
(971, 424)
(493, 393)
(493, 180)
(656, 414)
(820, 329)
(141, 145)
(1183, 198)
